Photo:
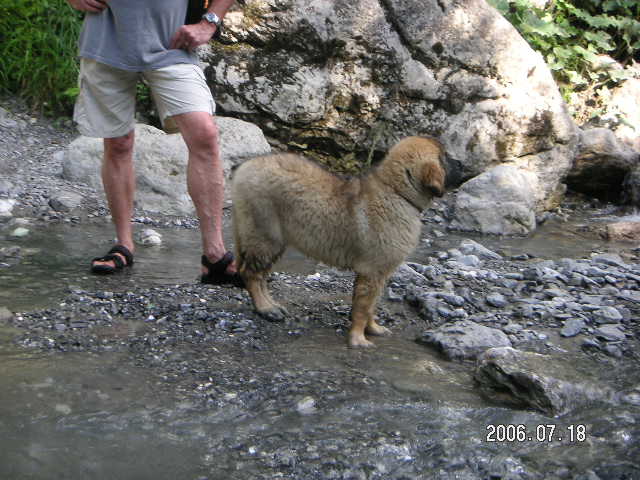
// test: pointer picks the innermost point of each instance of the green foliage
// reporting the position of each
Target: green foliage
(38, 48)
(572, 34)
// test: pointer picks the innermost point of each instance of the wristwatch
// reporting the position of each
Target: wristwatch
(212, 18)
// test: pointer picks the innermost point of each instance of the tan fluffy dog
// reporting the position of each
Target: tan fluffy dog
(367, 224)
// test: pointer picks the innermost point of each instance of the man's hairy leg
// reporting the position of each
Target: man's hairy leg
(118, 179)
(205, 180)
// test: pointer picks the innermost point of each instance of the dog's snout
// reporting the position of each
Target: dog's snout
(435, 190)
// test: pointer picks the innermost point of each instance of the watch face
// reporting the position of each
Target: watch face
(211, 18)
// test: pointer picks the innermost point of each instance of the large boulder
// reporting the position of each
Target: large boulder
(346, 77)
(606, 168)
(500, 201)
(623, 109)
(161, 163)
(531, 380)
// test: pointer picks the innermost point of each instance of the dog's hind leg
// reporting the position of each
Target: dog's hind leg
(264, 304)
(254, 266)
(366, 291)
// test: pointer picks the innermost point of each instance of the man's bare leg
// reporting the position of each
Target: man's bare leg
(205, 180)
(118, 179)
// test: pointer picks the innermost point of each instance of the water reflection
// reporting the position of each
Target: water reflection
(58, 256)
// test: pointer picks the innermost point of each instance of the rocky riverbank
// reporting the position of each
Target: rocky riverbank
(486, 345)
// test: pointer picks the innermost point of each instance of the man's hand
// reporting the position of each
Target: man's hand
(188, 37)
(94, 6)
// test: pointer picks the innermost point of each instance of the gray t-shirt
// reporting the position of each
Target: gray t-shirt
(135, 34)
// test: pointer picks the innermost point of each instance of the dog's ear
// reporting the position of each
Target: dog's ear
(433, 178)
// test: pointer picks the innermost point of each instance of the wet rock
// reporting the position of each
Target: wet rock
(612, 351)
(607, 315)
(631, 397)
(6, 207)
(12, 251)
(573, 327)
(623, 231)
(469, 247)
(468, 261)
(496, 300)
(406, 275)
(591, 344)
(150, 237)
(610, 333)
(463, 340)
(19, 232)
(5, 314)
(306, 406)
(611, 259)
(531, 380)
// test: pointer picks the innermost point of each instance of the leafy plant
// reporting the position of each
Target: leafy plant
(38, 52)
(573, 35)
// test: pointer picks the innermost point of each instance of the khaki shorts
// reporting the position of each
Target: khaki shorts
(105, 107)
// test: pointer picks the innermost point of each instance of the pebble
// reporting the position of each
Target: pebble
(496, 300)
(306, 406)
(573, 327)
(610, 333)
(607, 315)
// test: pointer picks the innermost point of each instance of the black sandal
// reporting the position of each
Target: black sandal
(116, 259)
(216, 272)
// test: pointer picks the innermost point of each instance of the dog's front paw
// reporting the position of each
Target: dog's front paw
(358, 340)
(377, 330)
(274, 314)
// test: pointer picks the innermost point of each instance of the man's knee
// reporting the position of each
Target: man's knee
(200, 132)
(119, 147)
(206, 139)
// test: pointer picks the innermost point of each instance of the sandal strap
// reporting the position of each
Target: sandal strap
(117, 260)
(219, 267)
(124, 251)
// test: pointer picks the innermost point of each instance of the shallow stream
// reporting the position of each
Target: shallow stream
(321, 410)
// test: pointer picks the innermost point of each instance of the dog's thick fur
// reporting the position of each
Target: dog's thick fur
(367, 224)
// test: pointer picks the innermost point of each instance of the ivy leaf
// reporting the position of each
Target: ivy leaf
(575, 78)
(601, 39)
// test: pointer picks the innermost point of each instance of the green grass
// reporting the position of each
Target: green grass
(38, 49)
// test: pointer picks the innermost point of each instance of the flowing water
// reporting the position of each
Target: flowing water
(100, 416)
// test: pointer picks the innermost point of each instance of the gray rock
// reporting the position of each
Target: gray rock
(5, 314)
(512, 328)
(332, 105)
(499, 201)
(610, 333)
(573, 327)
(601, 164)
(531, 380)
(469, 247)
(452, 299)
(149, 237)
(496, 300)
(6, 187)
(19, 232)
(161, 163)
(612, 350)
(607, 315)
(65, 201)
(464, 340)
(469, 261)
(405, 275)
(611, 259)
(6, 207)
